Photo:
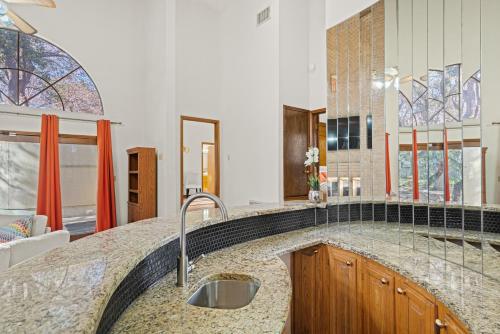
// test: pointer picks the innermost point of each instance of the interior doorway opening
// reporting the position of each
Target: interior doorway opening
(200, 159)
(302, 129)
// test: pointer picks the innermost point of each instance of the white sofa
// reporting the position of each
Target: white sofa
(42, 240)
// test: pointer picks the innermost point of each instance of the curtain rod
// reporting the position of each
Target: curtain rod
(63, 118)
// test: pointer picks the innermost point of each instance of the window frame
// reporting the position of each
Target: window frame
(34, 137)
(50, 85)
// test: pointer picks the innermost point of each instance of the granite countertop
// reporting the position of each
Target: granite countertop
(66, 290)
(472, 296)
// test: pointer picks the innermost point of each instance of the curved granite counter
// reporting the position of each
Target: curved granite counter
(69, 289)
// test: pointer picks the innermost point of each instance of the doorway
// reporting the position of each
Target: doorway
(200, 159)
(302, 129)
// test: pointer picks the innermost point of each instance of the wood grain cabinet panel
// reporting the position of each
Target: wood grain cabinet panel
(415, 309)
(344, 306)
(448, 323)
(378, 299)
(306, 281)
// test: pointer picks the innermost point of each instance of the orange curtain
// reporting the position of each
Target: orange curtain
(447, 195)
(388, 180)
(416, 191)
(106, 206)
(49, 180)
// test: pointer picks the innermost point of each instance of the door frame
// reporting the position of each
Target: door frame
(216, 124)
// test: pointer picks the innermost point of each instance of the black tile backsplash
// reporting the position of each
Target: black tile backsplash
(344, 213)
(421, 215)
(367, 212)
(379, 212)
(333, 213)
(355, 212)
(406, 214)
(491, 221)
(436, 217)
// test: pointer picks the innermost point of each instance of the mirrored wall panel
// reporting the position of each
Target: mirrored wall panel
(414, 127)
(356, 126)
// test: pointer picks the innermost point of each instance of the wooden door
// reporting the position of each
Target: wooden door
(344, 294)
(322, 143)
(378, 305)
(295, 145)
(415, 309)
(447, 322)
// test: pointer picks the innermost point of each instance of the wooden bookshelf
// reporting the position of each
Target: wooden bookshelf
(142, 183)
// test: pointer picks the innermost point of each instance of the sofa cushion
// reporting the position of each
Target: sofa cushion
(26, 248)
(21, 228)
(39, 226)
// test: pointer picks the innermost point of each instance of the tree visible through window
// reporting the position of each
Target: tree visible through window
(37, 74)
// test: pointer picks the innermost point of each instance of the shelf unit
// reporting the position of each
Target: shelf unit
(142, 183)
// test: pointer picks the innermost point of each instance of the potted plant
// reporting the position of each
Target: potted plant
(312, 163)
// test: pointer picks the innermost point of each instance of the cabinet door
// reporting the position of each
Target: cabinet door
(344, 291)
(447, 323)
(305, 293)
(415, 309)
(378, 306)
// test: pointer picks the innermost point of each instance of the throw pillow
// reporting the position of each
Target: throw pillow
(18, 229)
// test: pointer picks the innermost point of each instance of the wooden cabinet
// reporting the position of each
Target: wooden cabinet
(141, 183)
(344, 291)
(447, 322)
(310, 290)
(378, 301)
(337, 291)
(415, 308)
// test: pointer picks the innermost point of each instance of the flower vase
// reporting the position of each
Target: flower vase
(314, 196)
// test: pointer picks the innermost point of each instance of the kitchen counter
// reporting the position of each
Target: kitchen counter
(473, 297)
(67, 289)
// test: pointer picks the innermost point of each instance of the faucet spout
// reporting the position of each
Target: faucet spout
(182, 260)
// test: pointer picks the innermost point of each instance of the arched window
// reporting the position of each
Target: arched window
(37, 74)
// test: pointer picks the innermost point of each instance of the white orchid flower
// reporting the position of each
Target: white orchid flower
(312, 156)
(315, 155)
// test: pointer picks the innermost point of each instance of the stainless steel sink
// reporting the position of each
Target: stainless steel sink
(225, 293)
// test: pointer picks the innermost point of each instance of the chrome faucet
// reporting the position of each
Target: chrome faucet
(182, 260)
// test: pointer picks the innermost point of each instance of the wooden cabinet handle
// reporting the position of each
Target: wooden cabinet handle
(348, 263)
(401, 291)
(440, 324)
(384, 281)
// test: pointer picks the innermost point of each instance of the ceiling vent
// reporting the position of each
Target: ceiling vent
(263, 16)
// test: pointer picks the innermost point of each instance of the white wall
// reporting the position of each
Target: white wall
(294, 53)
(198, 59)
(161, 129)
(250, 104)
(317, 55)
(340, 10)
